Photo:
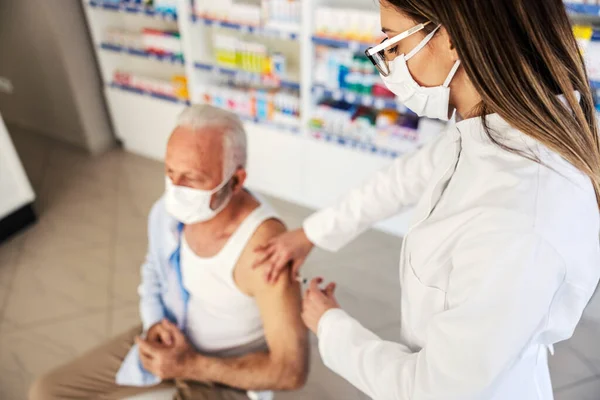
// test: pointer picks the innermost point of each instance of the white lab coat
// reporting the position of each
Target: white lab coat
(500, 261)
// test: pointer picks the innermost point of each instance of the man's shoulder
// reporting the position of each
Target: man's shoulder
(270, 224)
(268, 229)
(247, 270)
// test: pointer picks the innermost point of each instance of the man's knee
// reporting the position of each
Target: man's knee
(46, 387)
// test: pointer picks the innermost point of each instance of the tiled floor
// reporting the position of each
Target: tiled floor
(70, 281)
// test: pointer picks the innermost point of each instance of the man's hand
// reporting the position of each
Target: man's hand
(317, 302)
(159, 334)
(167, 362)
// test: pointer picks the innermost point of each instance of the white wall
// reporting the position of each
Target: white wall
(46, 53)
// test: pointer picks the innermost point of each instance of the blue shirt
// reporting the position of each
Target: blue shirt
(162, 293)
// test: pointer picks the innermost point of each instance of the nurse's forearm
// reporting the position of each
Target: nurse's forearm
(358, 355)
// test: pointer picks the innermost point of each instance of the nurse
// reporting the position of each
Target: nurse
(503, 253)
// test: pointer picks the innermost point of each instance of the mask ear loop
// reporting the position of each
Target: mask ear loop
(451, 74)
(422, 44)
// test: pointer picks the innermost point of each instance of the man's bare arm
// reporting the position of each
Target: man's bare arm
(285, 365)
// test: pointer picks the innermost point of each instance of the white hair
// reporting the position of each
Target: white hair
(200, 116)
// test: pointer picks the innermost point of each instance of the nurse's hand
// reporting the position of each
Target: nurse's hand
(289, 249)
(317, 302)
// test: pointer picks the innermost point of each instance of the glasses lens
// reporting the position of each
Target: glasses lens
(381, 63)
(379, 60)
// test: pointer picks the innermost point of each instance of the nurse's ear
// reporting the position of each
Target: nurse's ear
(446, 46)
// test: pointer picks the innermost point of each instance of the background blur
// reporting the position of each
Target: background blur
(89, 92)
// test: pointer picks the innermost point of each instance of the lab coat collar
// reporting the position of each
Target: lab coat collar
(473, 133)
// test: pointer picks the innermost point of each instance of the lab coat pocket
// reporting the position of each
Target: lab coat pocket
(433, 273)
(424, 298)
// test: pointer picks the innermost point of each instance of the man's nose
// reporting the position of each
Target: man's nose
(177, 180)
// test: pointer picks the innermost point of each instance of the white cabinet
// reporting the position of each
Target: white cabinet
(16, 194)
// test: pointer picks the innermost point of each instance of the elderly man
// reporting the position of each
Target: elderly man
(212, 328)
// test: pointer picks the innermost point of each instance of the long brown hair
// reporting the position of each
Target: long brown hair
(519, 55)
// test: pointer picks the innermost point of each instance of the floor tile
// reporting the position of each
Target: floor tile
(566, 368)
(79, 199)
(55, 237)
(9, 255)
(126, 277)
(25, 355)
(592, 311)
(48, 288)
(322, 384)
(390, 332)
(34, 151)
(589, 390)
(372, 314)
(373, 276)
(81, 167)
(132, 218)
(366, 245)
(141, 180)
(586, 343)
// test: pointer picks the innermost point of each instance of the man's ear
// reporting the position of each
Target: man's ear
(238, 179)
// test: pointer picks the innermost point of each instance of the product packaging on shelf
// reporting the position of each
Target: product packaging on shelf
(590, 2)
(280, 107)
(162, 42)
(348, 24)
(342, 69)
(589, 42)
(150, 40)
(123, 38)
(386, 128)
(176, 87)
(275, 14)
(165, 6)
(233, 52)
(282, 14)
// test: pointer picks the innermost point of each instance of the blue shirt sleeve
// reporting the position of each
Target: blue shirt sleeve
(152, 309)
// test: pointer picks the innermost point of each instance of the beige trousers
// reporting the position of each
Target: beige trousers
(92, 376)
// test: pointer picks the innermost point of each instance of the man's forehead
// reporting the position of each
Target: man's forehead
(204, 138)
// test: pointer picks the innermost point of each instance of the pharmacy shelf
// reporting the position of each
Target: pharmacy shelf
(583, 9)
(243, 28)
(272, 124)
(286, 84)
(133, 9)
(353, 144)
(171, 99)
(168, 58)
(378, 103)
(341, 44)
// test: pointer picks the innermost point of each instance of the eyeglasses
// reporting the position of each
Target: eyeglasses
(377, 53)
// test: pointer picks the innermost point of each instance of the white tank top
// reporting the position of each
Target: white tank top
(220, 317)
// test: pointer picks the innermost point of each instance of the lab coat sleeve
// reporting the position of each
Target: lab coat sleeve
(499, 296)
(387, 193)
(149, 290)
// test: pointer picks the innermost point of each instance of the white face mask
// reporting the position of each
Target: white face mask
(430, 102)
(191, 206)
